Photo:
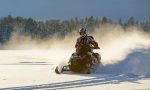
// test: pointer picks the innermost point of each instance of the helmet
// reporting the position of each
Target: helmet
(82, 31)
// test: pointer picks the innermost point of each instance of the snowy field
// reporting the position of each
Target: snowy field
(34, 69)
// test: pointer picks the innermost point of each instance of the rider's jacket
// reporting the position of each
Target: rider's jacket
(84, 43)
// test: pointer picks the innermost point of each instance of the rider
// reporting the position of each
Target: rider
(84, 52)
(85, 43)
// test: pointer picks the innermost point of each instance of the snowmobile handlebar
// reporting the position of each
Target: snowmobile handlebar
(94, 46)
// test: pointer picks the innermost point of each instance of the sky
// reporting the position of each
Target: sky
(66, 9)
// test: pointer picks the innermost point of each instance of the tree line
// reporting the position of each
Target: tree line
(59, 28)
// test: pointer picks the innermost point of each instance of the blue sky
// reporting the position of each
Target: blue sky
(66, 9)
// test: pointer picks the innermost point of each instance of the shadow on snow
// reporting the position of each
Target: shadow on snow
(99, 80)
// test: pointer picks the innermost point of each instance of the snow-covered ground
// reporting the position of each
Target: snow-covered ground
(34, 69)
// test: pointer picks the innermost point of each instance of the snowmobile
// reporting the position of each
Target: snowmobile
(85, 64)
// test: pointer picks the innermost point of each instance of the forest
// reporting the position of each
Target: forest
(60, 28)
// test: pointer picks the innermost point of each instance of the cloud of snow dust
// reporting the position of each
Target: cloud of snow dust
(116, 42)
(123, 50)
(27, 43)
(117, 45)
